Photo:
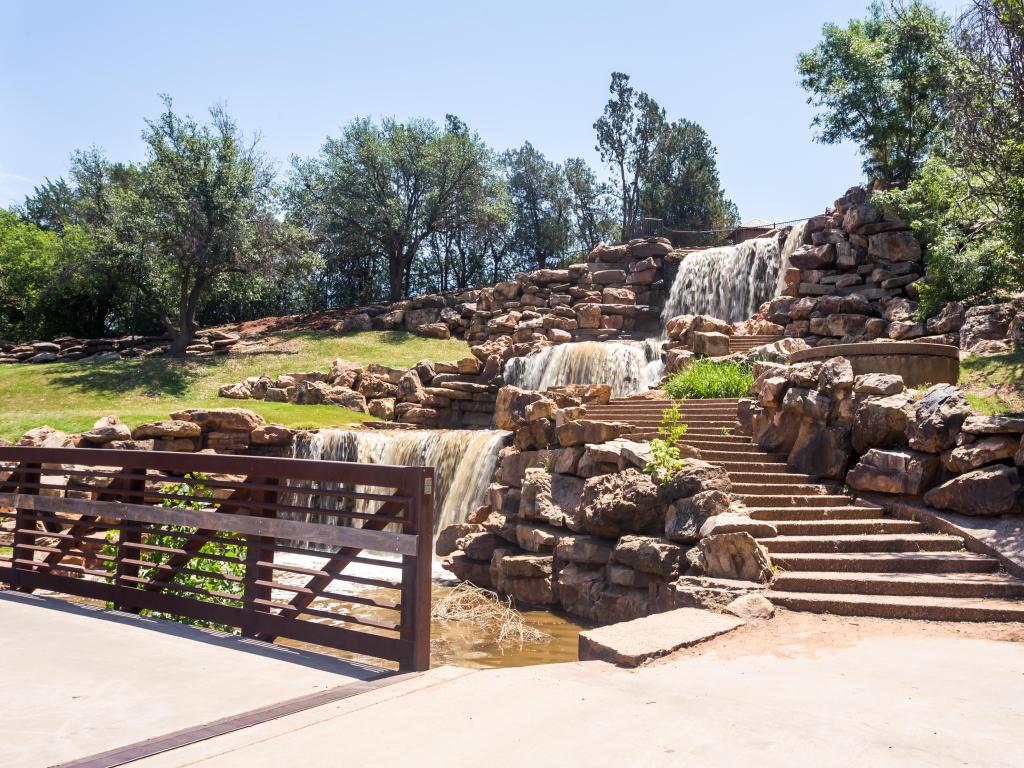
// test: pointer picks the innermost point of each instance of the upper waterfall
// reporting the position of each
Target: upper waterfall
(628, 366)
(729, 282)
(463, 461)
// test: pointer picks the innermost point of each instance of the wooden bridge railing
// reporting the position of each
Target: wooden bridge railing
(129, 528)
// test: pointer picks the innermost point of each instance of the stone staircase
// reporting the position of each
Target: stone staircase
(836, 554)
(746, 343)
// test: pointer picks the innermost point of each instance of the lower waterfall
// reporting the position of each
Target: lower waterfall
(729, 282)
(628, 366)
(463, 462)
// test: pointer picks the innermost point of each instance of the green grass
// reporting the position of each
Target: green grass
(71, 396)
(704, 379)
(994, 384)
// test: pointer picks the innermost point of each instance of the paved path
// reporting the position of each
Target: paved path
(78, 681)
(896, 700)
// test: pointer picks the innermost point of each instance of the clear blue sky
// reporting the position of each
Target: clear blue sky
(77, 74)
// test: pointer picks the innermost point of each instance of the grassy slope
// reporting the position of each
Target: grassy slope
(71, 396)
(994, 384)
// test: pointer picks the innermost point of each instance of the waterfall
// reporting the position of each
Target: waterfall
(463, 462)
(729, 282)
(628, 366)
(793, 241)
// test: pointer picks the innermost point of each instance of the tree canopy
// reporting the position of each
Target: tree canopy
(881, 82)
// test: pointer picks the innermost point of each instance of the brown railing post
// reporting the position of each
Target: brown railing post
(129, 533)
(258, 548)
(416, 569)
(29, 474)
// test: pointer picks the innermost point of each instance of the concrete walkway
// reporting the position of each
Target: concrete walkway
(78, 680)
(896, 699)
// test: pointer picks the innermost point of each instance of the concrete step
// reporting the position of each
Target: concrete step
(995, 585)
(728, 441)
(903, 607)
(815, 513)
(783, 489)
(867, 525)
(667, 401)
(770, 478)
(782, 501)
(755, 457)
(881, 542)
(735, 468)
(886, 562)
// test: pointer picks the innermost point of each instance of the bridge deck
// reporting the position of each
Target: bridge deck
(81, 681)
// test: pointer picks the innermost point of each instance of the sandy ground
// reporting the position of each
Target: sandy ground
(792, 635)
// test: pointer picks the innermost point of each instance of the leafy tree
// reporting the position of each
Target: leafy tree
(966, 256)
(376, 195)
(542, 219)
(682, 186)
(592, 206)
(986, 113)
(881, 82)
(627, 135)
(203, 210)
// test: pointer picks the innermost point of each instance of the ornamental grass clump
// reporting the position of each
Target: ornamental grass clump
(489, 614)
(704, 379)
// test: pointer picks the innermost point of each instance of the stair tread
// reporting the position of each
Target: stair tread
(885, 556)
(918, 600)
(916, 578)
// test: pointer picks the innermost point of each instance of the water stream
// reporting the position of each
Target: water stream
(628, 366)
(729, 282)
(463, 462)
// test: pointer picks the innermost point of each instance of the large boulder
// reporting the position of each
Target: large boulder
(107, 430)
(880, 422)
(894, 246)
(990, 323)
(937, 419)
(510, 406)
(648, 554)
(685, 517)
(172, 428)
(995, 490)
(820, 451)
(694, 477)
(733, 556)
(878, 384)
(902, 472)
(621, 503)
(550, 498)
(220, 419)
(964, 458)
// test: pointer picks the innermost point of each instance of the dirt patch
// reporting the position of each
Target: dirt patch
(792, 634)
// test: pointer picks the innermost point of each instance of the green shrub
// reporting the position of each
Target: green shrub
(666, 459)
(706, 379)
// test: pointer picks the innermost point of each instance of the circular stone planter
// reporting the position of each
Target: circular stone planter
(917, 363)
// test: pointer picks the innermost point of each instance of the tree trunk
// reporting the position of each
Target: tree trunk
(396, 278)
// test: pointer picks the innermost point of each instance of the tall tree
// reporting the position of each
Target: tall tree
(682, 186)
(592, 206)
(378, 193)
(627, 134)
(986, 114)
(881, 82)
(203, 211)
(542, 224)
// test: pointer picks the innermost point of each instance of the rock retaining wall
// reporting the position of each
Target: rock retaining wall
(878, 436)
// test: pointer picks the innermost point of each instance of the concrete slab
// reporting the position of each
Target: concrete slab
(81, 680)
(879, 701)
(631, 643)
(999, 537)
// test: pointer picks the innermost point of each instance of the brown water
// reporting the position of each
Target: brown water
(464, 644)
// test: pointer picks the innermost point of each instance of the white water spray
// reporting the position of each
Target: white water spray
(729, 282)
(463, 462)
(628, 366)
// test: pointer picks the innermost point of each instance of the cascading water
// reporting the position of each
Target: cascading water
(729, 282)
(463, 462)
(628, 366)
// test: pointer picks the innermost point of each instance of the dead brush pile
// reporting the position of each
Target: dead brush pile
(488, 613)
